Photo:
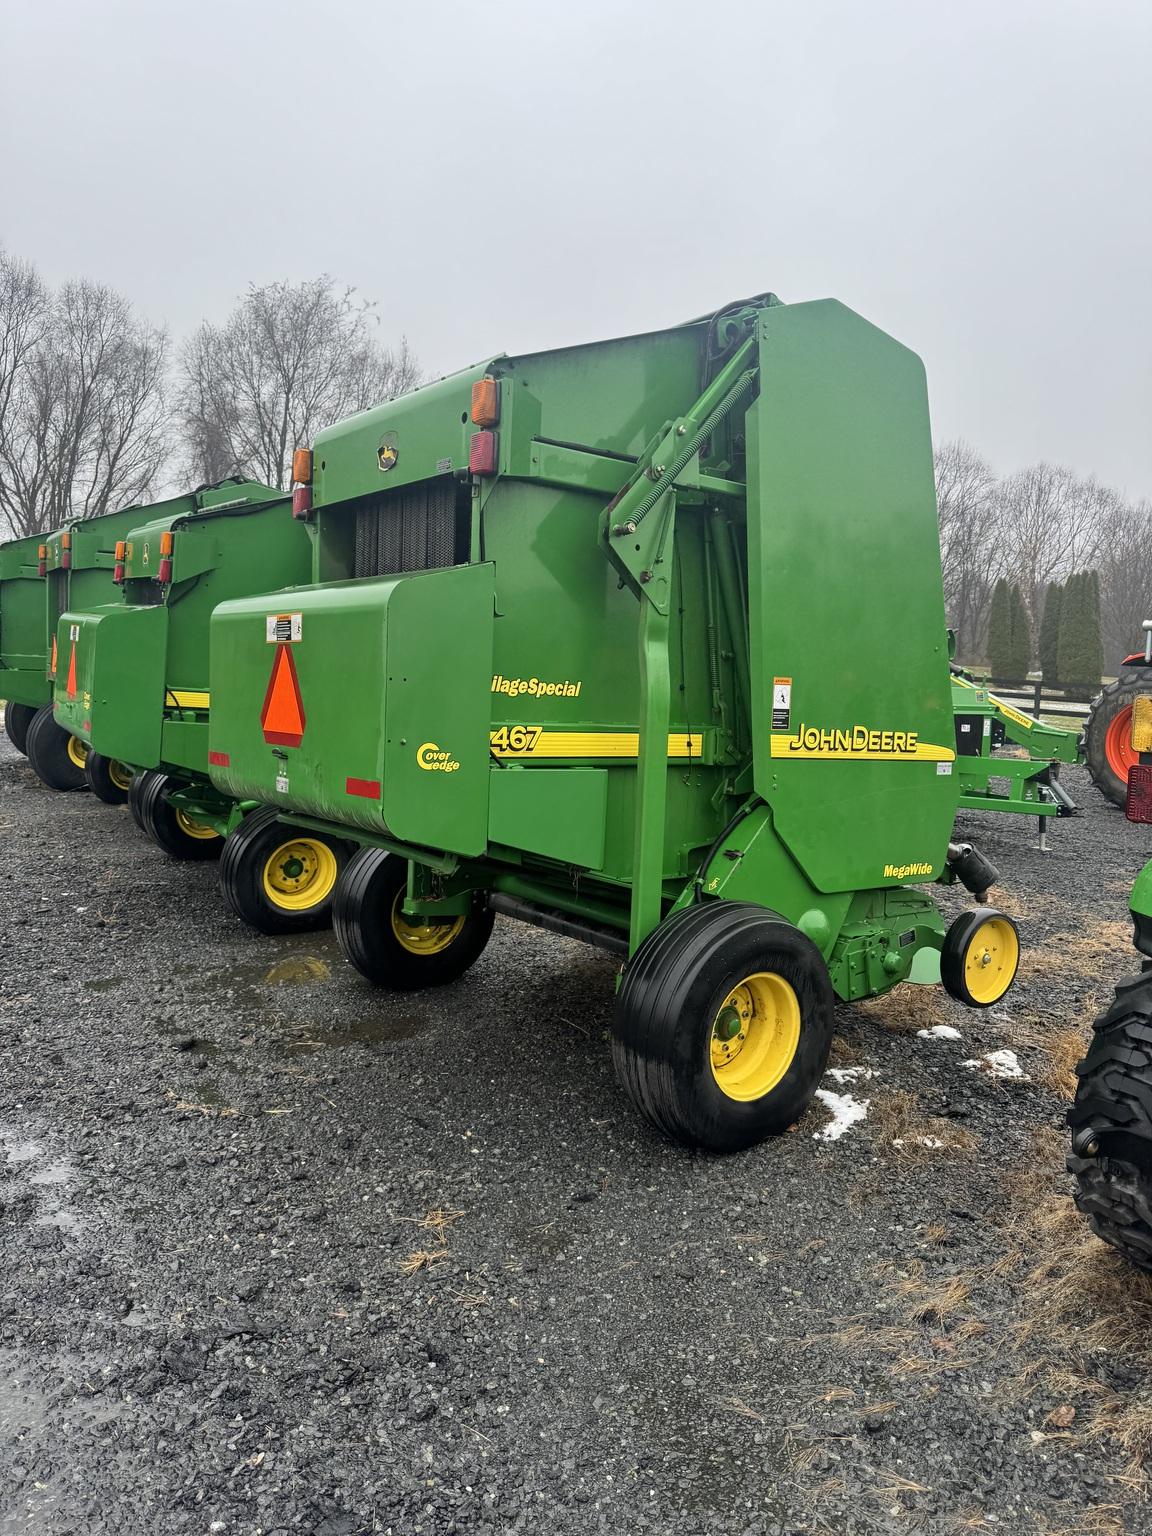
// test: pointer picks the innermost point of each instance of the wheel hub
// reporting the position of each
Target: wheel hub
(754, 1036)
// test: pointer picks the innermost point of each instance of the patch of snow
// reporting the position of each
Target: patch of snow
(1002, 1063)
(940, 1032)
(845, 1112)
(849, 1074)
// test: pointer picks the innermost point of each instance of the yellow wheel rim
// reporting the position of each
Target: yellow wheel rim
(427, 938)
(754, 1036)
(197, 829)
(991, 959)
(300, 874)
(120, 776)
(77, 751)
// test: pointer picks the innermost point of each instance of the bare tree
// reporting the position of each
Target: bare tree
(289, 360)
(970, 551)
(82, 423)
(1125, 565)
(1050, 522)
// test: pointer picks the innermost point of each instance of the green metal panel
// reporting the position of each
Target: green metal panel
(558, 813)
(393, 678)
(23, 634)
(119, 657)
(846, 603)
(146, 662)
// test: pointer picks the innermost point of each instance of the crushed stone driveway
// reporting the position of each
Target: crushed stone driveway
(280, 1253)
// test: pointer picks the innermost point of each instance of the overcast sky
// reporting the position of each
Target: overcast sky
(513, 174)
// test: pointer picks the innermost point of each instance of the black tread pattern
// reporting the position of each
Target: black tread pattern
(660, 1030)
(17, 719)
(47, 747)
(361, 921)
(246, 849)
(1105, 707)
(1113, 1108)
(158, 819)
(98, 772)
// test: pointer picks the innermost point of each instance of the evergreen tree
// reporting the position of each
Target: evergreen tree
(1050, 634)
(1021, 633)
(1080, 656)
(1000, 630)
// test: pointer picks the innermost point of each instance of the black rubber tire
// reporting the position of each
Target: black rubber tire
(1112, 1118)
(17, 719)
(158, 818)
(672, 990)
(1132, 682)
(362, 919)
(136, 795)
(247, 850)
(99, 771)
(955, 948)
(47, 748)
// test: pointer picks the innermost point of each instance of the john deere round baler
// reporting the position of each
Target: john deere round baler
(132, 683)
(642, 642)
(24, 684)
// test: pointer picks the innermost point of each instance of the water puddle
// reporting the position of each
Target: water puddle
(103, 983)
(298, 1038)
(59, 1172)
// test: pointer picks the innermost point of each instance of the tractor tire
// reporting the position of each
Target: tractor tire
(136, 795)
(723, 1025)
(280, 879)
(17, 719)
(108, 779)
(1108, 753)
(178, 834)
(393, 953)
(1111, 1123)
(56, 756)
(980, 956)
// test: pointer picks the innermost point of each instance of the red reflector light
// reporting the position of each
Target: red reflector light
(42, 567)
(219, 759)
(164, 570)
(118, 572)
(1138, 805)
(65, 559)
(368, 788)
(482, 453)
(302, 502)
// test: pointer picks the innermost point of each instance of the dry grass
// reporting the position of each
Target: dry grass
(1098, 947)
(424, 1258)
(1086, 1317)
(902, 1130)
(1063, 1050)
(935, 1301)
(906, 1009)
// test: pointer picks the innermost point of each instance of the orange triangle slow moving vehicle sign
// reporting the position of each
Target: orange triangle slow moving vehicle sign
(282, 717)
(72, 672)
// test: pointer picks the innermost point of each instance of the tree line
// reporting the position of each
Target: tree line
(98, 410)
(1037, 555)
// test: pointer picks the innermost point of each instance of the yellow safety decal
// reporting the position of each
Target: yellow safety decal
(1013, 714)
(859, 743)
(533, 741)
(1142, 723)
(961, 682)
(187, 698)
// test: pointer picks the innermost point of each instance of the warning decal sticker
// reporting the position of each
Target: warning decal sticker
(781, 703)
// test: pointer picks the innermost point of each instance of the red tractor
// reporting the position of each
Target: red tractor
(1107, 739)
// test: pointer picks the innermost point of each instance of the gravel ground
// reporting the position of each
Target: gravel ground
(279, 1253)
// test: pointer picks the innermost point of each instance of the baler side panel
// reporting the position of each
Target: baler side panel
(119, 663)
(846, 603)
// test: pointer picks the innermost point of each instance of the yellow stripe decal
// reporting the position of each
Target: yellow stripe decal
(922, 752)
(619, 744)
(187, 698)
